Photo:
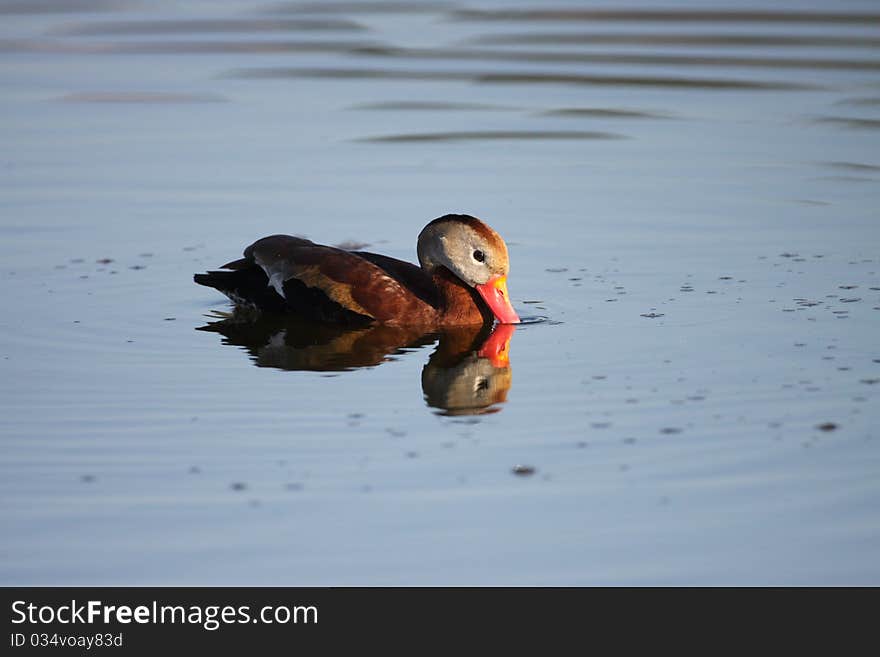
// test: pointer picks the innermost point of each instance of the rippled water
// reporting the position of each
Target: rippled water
(690, 199)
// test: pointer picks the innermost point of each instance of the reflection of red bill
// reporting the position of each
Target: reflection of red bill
(494, 293)
(497, 346)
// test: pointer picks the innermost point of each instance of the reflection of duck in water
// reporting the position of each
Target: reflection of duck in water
(469, 377)
(461, 280)
(468, 373)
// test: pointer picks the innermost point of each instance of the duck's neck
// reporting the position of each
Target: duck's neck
(460, 304)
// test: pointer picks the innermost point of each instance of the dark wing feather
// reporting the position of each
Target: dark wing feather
(348, 279)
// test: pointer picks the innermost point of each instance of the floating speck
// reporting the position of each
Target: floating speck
(670, 430)
(524, 470)
(104, 261)
(238, 486)
(88, 478)
(826, 426)
(652, 315)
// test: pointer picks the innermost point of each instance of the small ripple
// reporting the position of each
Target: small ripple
(197, 26)
(850, 122)
(666, 15)
(491, 135)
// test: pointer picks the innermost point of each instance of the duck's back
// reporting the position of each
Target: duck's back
(285, 274)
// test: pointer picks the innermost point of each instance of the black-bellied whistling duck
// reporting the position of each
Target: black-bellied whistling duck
(462, 279)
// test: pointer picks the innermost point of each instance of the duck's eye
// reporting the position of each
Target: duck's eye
(479, 256)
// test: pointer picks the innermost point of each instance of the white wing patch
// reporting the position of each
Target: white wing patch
(276, 280)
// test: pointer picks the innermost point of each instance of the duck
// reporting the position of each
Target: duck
(461, 279)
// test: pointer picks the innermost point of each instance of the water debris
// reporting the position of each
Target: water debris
(238, 486)
(826, 426)
(670, 430)
(194, 469)
(104, 261)
(524, 470)
(88, 478)
(850, 300)
(652, 315)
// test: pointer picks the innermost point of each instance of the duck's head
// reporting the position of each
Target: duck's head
(475, 254)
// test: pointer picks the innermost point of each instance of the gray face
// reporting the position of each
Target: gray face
(468, 254)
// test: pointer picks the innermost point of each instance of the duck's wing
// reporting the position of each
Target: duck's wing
(407, 274)
(349, 279)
